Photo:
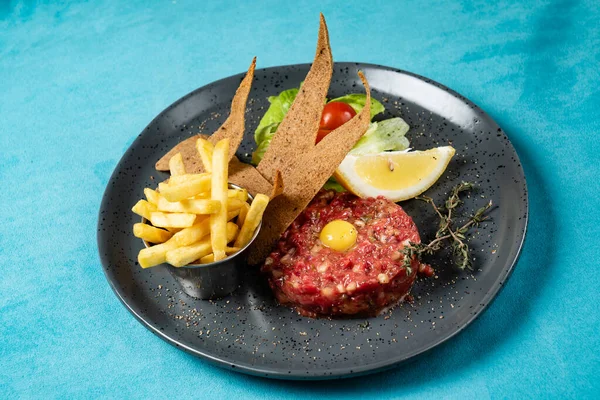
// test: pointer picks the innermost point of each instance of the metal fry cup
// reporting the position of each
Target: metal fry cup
(216, 279)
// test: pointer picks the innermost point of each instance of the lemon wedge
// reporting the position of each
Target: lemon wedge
(397, 175)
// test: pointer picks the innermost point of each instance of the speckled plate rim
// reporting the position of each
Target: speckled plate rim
(344, 372)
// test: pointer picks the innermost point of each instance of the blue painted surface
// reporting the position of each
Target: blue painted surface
(80, 80)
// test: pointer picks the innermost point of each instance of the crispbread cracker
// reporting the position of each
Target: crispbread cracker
(232, 128)
(305, 175)
(297, 132)
(247, 177)
(277, 185)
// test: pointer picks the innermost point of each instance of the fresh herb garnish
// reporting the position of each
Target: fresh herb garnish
(445, 232)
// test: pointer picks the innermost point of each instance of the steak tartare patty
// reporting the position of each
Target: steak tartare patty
(363, 280)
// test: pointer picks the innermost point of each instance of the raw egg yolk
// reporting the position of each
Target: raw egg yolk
(338, 235)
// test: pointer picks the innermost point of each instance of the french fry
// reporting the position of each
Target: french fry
(173, 230)
(155, 255)
(252, 219)
(232, 214)
(218, 221)
(205, 149)
(151, 196)
(180, 256)
(240, 194)
(243, 195)
(172, 220)
(203, 195)
(176, 165)
(231, 233)
(232, 194)
(185, 255)
(150, 233)
(234, 204)
(192, 206)
(193, 234)
(179, 179)
(211, 257)
(207, 259)
(181, 190)
(143, 209)
(242, 215)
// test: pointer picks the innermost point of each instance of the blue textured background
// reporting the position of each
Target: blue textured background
(79, 81)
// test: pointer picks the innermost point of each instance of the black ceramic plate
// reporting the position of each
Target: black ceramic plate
(248, 331)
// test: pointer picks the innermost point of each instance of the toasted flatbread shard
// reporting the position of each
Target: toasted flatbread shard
(277, 185)
(304, 177)
(246, 176)
(297, 132)
(232, 128)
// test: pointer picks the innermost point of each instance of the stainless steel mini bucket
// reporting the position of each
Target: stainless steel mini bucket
(214, 280)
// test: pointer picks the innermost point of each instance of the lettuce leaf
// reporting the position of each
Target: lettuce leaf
(332, 183)
(269, 123)
(265, 134)
(279, 107)
(358, 101)
(388, 135)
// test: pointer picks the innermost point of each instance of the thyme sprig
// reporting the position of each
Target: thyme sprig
(446, 232)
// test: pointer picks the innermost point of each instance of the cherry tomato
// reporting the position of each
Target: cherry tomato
(322, 133)
(336, 114)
